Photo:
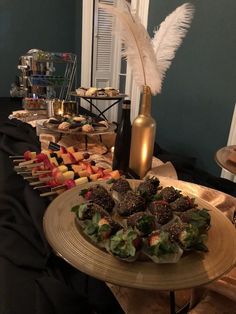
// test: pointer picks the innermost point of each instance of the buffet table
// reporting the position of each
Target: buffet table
(32, 277)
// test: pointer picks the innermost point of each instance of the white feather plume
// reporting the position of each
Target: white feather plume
(170, 34)
(138, 49)
(150, 59)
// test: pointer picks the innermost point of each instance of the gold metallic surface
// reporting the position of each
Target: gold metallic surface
(143, 137)
(192, 270)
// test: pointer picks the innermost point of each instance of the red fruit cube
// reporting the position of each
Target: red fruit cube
(27, 155)
(63, 150)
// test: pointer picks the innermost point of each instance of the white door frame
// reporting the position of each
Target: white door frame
(231, 141)
(139, 7)
(86, 53)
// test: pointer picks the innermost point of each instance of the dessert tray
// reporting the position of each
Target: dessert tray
(68, 240)
(79, 124)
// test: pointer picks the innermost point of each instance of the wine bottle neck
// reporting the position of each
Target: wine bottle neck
(145, 108)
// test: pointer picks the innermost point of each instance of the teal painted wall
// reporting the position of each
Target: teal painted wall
(194, 110)
(53, 25)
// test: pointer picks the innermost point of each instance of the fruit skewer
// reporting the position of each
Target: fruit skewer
(60, 170)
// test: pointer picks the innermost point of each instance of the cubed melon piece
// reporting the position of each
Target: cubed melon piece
(66, 159)
(69, 175)
(53, 161)
(106, 171)
(83, 164)
(93, 177)
(33, 155)
(115, 174)
(83, 173)
(76, 168)
(62, 168)
(70, 149)
(78, 156)
(58, 152)
(95, 168)
(81, 180)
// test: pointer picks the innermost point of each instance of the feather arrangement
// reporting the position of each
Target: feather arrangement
(149, 58)
(138, 49)
(170, 34)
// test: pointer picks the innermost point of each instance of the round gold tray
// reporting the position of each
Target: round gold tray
(192, 270)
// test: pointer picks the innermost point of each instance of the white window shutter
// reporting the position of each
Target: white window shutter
(103, 52)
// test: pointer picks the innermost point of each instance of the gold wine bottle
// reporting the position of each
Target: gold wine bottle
(143, 137)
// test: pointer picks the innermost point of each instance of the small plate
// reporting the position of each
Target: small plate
(222, 158)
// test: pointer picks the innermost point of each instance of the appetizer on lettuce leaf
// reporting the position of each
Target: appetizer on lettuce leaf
(100, 196)
(162, 212)
(200, 218)
(86, 211)
(131, 203)
(168, 194)
(160, 249)
(148, 188)
(187, 236)
(125, 245)
(142, 222)
(182, 204)
(99, 228)
(120, 187)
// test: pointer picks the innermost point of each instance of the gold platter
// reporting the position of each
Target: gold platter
(192, 270)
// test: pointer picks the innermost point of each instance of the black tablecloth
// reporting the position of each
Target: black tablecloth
(32, 279)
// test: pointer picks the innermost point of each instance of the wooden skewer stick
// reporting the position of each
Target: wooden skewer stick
(41, 187)
(56, 188)
(30, 178)
(27, 162)
(37, 173)
(15, 161)
(32, 165)
(48, 194)
(24, 172)
(16, 156)
(17, 168)
(39, 182)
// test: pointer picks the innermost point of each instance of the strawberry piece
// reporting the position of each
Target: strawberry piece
(41, 157)
(47, 163)
(52, 183)
(27, 155)
(63, 150)
(87, 195)
(137, 243)
(154, 239)
(83, 164)
(72, 158)
(69, 183)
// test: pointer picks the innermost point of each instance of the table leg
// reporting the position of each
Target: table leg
(183, 310)
(172, 302)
